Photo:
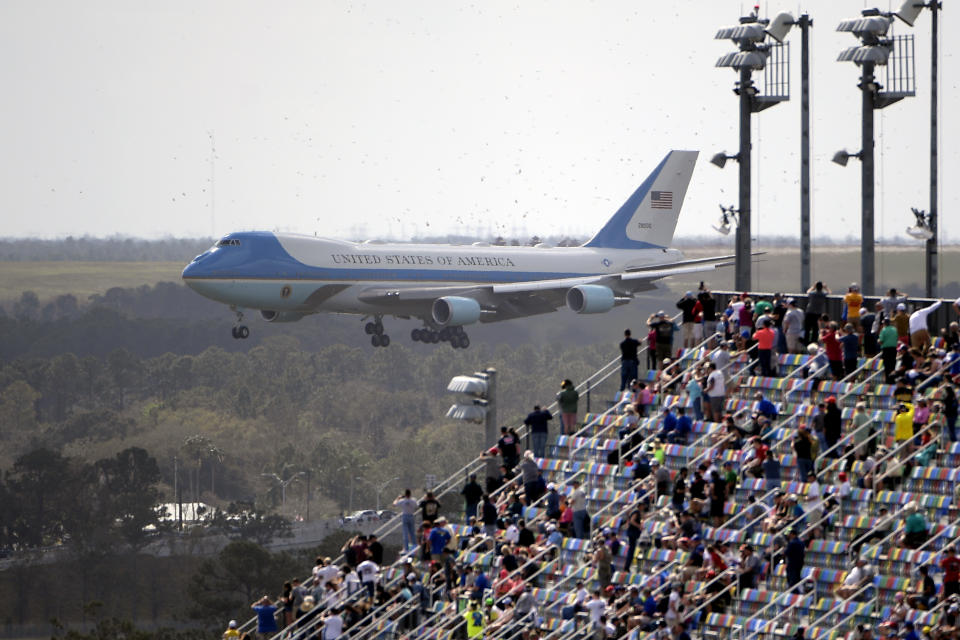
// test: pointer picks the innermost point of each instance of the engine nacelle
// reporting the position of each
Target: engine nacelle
(454, 311)
(590, 298)
(280, 316)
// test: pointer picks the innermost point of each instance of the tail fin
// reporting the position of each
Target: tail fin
(648, 218)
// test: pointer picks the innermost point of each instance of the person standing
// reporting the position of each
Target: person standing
(578, 503)
(888, 340)
(408, 514)
(634, 529)
(831, 346)
(816, 307)
(662, 326)
(853, 300)
(266, 616)
(708, 306)
(794, 553)
(850, 344)
(765, 338)
(629, 363)
(716, 391)
(793, 327)
(539, 430)
(568, 398)
(686, 305)
(919, 335)
(472, 494)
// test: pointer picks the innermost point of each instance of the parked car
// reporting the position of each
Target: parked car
(386, 514)
(360, 517)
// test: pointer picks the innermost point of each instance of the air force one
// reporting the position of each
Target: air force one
(289, 276)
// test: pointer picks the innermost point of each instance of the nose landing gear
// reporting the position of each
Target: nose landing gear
(239, 331)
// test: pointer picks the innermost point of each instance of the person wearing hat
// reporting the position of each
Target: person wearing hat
(749, 568)
(903, 423)
(688, 308)
(266, 616)
(793, 327)
(794, 553)
(765, 337)
(901, 321)
(232, 631)
(662, 327)
(855, 579)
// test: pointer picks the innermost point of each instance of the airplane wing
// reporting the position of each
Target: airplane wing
(519, 299)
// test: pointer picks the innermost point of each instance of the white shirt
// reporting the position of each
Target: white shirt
(368, 571)
(854, 577)
(596, 607)
(332, 627)
(918, 319)
(408, 506)
(582, 593)
(512, 534)
(716, 386)
(325, 574)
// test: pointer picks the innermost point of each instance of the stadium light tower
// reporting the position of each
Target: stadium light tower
(752, 55)
(896, 54)
(478, 406)
(909, 11)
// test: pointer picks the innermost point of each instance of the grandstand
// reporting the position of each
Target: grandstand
(706, 564)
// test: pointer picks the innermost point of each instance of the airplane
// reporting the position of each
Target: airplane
(289, 276)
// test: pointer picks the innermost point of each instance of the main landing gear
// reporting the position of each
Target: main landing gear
(239, 331)
(456, 336)
(375, 330)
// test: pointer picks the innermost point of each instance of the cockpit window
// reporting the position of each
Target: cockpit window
(229, 242)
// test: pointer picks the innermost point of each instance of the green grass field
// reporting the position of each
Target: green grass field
(50, 279)
(777, 270)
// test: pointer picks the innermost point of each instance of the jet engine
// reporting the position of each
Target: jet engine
(455, 311)
(590, 298)
(280, 316)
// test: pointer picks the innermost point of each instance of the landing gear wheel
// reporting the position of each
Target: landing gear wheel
(434, 337)
(375, 340)
(463, 341)
(243, 332)
(384, 340)
(415, 335)
(445, 333)
(370, 328)
(233, 332)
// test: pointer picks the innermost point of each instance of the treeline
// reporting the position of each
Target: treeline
(113, 249)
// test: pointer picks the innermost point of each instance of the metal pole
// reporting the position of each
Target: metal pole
(805, 23)
(931, 252)
(490, 430)
(742, 266)
(867, 262)
(308, 496)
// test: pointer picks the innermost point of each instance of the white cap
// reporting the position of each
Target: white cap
(411, 576)
(232, 624)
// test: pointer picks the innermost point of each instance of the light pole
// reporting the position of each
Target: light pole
(749, 36)
(908, 13)
(480, 389)
(874, 49)
(283, 484)
(805, 23)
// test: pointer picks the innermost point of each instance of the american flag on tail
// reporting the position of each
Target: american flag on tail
(661, 199)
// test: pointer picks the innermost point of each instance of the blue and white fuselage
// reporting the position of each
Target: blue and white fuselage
(287, 276)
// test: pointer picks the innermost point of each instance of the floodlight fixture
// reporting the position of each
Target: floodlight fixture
(720, 159)
(909, 11)
(843, 156)
(780, 26)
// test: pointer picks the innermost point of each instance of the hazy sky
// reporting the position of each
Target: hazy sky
(395, 118)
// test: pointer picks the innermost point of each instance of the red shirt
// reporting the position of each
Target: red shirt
(832, 346)
(951, 568)
(765, 338)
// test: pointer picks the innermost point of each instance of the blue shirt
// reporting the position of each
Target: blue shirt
(767, 408)
(438, 540)
(266, 622)
(650, 605)
(669, 422)
(684, 425)
(851, 346)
